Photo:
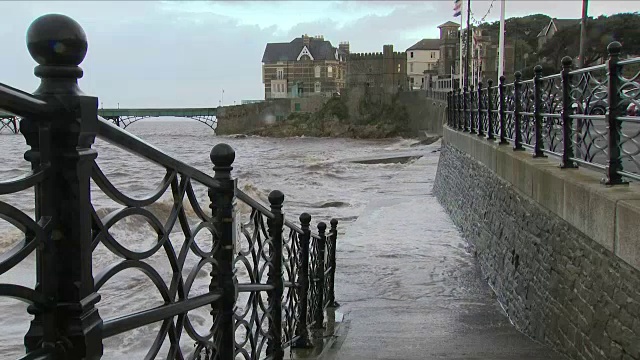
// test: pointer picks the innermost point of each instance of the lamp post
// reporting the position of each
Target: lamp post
(583, 33)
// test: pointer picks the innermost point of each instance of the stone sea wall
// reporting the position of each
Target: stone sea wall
(557, 284)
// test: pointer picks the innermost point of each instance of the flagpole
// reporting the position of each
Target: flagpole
(461, 27)
(501, 41)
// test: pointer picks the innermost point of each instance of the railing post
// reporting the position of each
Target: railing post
(449, 109)
(472, 125)
(319, 277)
(537, 112)
(480, 128)
(465, 116)
(459, 109)
(223, 276)
(567, 121)
(490, 111)
(302, 332)
(332, 257)
(516, 112)
(503, 116)
(63, 140)
(614, 163)
(274, 344)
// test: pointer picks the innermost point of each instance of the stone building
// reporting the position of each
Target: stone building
(386, 71)
(305, 66)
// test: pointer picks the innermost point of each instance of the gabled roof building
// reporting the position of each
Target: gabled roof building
(553, 27)
(305, 66)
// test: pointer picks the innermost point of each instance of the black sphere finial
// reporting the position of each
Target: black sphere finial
(322, 227)
(276, 198)
(538, 69)
(334, 223)
(222, 155)
(518, 75)
(614, 48)
(56, 40)
(502, 78)
(567, 61)
(305, 218)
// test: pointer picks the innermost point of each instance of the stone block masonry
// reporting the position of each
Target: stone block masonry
(557, 284)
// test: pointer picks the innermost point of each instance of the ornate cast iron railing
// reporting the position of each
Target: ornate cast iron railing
(269, 280)
(588, 117)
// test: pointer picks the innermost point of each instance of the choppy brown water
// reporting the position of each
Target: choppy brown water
(311, 172)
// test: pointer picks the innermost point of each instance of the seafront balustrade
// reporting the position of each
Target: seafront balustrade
(269, 280)
(587, 117)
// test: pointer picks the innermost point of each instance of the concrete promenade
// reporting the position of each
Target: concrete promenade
(409, 288)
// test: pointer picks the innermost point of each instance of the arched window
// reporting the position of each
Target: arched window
(317, 71)
(317, 87)
(330, 71)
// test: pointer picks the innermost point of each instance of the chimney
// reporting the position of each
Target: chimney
(306, 39)
(344, 47)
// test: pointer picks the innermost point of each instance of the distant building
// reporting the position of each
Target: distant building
(386, 71)
(306, 66)
(484, 64)
(422, 56)
(553, 27)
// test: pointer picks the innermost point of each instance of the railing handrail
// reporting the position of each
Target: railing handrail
(21, 103)
(127, 141)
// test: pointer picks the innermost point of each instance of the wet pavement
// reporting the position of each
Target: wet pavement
(409, 288)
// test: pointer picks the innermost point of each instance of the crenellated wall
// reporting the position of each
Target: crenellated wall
(561, 251)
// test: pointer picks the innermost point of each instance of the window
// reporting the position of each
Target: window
(280, 74)
(398, 67)
(317, 87)
(329, 71)
(412, 54)
(297, 106)
(411, 67)
(317, 71)
(433, 54)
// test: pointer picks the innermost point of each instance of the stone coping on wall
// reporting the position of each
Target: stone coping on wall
(610, 215)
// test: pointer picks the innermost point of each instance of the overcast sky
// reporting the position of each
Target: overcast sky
(183, 54)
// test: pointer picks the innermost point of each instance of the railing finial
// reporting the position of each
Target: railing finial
(538, 69)
(305, 219)
(614, 48)
(567, 61)
(58, 44)
(276, 198)
(222, 156)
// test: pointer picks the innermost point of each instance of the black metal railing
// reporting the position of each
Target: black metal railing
(437, 94)
(588, 117)
(269, 280)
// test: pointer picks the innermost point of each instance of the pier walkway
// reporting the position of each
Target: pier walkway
(411, 290)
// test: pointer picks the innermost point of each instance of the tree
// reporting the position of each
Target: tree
(601, 31)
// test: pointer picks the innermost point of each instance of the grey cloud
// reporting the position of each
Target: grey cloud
(141, 54)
